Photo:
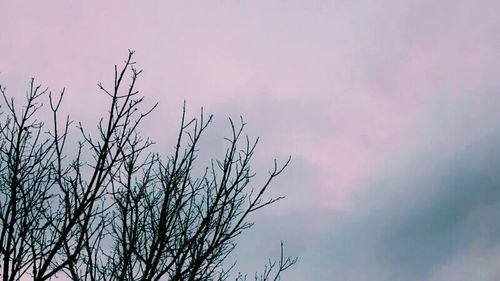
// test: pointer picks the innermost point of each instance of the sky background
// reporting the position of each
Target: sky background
(388, 108)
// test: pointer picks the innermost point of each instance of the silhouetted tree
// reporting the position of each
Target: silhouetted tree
(112, 210)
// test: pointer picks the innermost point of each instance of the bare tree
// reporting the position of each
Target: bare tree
(110, 209)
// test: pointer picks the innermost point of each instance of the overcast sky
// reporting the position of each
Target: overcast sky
(390, 110)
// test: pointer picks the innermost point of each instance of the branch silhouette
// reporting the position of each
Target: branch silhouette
(107, 208)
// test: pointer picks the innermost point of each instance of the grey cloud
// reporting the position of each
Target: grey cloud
(415, 223)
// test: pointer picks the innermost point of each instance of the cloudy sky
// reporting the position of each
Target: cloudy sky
(390, 110)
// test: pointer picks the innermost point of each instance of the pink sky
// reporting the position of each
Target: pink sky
(355, 91)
